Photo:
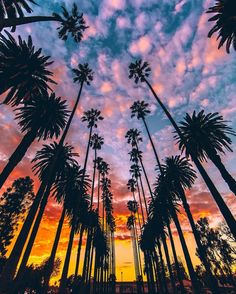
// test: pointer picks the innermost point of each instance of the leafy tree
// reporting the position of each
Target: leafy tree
(69, 23)
(140, 71)
(24, 70)
(208, 136)
(225, 23)
(41, 118)
(14, 204)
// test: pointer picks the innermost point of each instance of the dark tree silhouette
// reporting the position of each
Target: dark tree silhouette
(41, 118)
(208, 135)
(140, 71)
(13, 9)
(225, 23)
(24, 70)
(15, 202)
(69, 23)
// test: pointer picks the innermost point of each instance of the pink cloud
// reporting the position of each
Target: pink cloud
(141, 46)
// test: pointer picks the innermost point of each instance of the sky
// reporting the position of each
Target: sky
(188, 72)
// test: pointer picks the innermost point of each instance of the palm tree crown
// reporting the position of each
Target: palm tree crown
(47, 115)
(139, 71)
(23, 69)
(139, 109)
(73, 24)
(133, 137)
(45, 157)
(225, 18)
(131, 185)
(96, 141)
(83, 74)
(204, 134)
(132, 205)
(12, 9)
(178, 170)
(92, 116)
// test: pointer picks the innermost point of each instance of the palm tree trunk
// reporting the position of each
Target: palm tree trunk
(17, 155)
(215, 158)
(13, 22)
(215, 193)
(163, 237)
(79, 250)
(33, 233)
(94, 175)
(162, 267)
(98, 191)
(140, 202)
(159, 277)
(202, 254)
(144, 197)
(192, 274)
(62, 287)
(182, 289)
(153, 147)
(9, 269)
(145, 174)
(53, 252)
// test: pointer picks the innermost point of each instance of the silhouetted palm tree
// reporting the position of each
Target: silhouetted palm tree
(63, 190)
(83, 75)
(167, 200)
(43, 161)
(24, 70)
(180, 175)
(70, 23)
(225, 26)
(79, 206)
(96, 143)
(41, 118)
(208, 135)
(140, 110)
(140, 72)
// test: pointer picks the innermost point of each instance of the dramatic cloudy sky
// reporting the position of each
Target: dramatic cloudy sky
(188, 72)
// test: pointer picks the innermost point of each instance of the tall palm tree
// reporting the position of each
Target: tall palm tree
(83, 75)
(140, 72)
(208, 135)
(63, 190)
(69, 23)
(41, 118)
(180, 176)
(96, 143)
(80, 206)
(135, 173)
(43, 161)
(24, 70)
(140, 110)
(225, 23)
(134, 138)
(167, 200)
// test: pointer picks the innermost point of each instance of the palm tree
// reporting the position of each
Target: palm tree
(225, 18)
(83, 75)
(135, 173)
(140, 110)
(24, 70)
(96, 143)
(167, 200)
(79, 206)
(140, 72)
(73, 23)
(43, 161)
(208, 135)
(134, 138)
(41, 118)
(63, 190)
(180, 176)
